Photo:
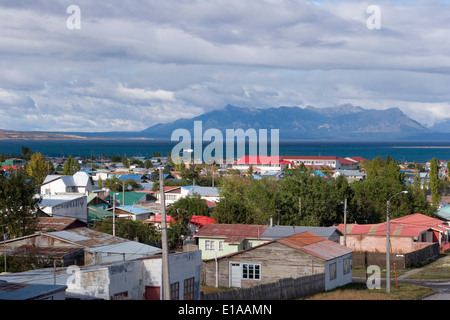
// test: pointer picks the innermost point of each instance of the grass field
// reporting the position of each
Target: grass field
(359, 291)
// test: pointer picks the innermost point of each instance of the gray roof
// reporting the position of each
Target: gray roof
(26, 291)
(278, 232)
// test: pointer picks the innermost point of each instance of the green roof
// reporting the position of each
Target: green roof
(98, 213)
(130, 197)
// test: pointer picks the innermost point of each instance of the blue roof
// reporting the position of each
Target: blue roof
(134, 210)
(130, 176)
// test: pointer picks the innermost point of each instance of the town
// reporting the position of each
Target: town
(90, 228)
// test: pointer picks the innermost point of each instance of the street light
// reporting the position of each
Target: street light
(388, 245)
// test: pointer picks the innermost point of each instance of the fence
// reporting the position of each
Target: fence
(283, 289)
(423, 253)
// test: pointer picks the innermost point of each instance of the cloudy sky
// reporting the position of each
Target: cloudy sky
(130, 64)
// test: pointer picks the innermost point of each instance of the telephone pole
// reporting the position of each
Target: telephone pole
(165, 250)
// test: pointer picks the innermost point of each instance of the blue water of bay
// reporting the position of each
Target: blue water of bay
(411, 151)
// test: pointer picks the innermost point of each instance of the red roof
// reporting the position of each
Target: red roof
(197, 220)
(202, 220)
(233, 233)
(410, 225)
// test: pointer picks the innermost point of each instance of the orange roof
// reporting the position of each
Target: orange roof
(315, 245)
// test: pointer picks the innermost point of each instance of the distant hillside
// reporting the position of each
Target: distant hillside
(19, 135)
(343, 122)
(443, 126)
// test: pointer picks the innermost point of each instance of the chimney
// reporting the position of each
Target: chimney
(271, 221)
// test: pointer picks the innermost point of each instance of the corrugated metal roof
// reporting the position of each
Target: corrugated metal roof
(23, 291)
(410, 225)
(87, 237)
(277, 232)
(315, 245)
(232, 232)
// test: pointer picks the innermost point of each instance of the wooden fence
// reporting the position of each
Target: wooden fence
(284, 289)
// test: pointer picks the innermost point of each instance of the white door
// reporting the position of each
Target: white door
(235, 274)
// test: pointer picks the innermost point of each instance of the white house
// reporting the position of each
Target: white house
(139, 279)
(261, 164)
(315, 161)
(80, 182)
(206, 193)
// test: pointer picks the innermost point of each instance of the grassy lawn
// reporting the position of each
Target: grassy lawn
(439, 270)
(359, 291)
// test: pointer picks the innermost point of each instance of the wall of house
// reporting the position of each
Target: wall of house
(277, 262)
(129, 279)
(342, 277)
(54, 187)
(227, 247)
(71, 209)
(373, 243)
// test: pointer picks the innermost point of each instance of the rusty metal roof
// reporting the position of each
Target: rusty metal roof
(57, 223)
(86, 237)
(233, 233)
(54, 252)
(315, 245)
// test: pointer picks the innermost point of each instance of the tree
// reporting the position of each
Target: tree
(26, 153)
(183, 209)
(129, 229)
(37, 168)
(434, 183)
(71, 166)
(18, 203)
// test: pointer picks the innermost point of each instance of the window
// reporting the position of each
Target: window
(189, 289)
(347, 265)
(209, 245)
(175, 291)
(333, 271)
(251, 271)
(220, 245)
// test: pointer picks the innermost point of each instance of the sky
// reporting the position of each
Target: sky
(93, 66)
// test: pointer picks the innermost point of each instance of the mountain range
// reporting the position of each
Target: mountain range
(344, 122)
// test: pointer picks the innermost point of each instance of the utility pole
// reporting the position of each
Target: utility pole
(165, 249)
(388, 243)
(4, 244)
(114, 214)
(345, 222)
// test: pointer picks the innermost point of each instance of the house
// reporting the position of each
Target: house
(132, 212)
(25, 291)
(221, 239)
(206, 193)
(137, 279)
(13, 164)
(317, 162)
(130, 198)
(48, 224)
(171, 194)
(80, 182)
(406, 233)
(261, 164)
(80, 246)
(215, 240)
(350, 175)
(290, 257)
(66, 206)
(195, 223)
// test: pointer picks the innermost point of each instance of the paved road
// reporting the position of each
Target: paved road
(441, 286)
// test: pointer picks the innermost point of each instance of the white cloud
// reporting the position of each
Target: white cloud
(140, 63)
